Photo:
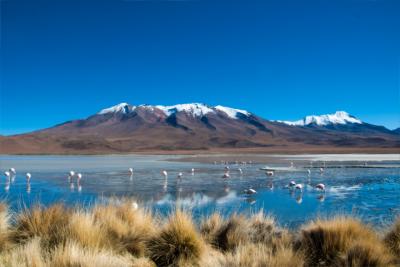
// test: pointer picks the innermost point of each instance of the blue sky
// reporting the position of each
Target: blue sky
(63, 60)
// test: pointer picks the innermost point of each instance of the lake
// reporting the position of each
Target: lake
(364, 186)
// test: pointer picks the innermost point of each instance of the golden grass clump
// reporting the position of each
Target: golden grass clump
(49, 224)
(72, 254)
(27, 255)
(330, 242)
(392, 239)
(126, 228)
(177, 243)
(84, 230)
(228, 234)
(367, 254)
(4, 227)
(120, 234)
(258, 255)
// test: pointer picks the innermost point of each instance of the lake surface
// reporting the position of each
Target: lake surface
(372, 194)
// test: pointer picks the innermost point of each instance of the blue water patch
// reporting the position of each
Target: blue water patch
(371, 194)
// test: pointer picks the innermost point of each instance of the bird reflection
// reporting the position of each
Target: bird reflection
(7, 187)
(270, 185)
(28, 188)
(71, 186)
(250, 200)
(299, 198)
(165, 185)
(321, 197)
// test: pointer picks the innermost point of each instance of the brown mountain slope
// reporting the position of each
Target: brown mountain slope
(125, 128)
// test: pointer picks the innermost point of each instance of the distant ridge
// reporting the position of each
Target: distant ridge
(126, 128)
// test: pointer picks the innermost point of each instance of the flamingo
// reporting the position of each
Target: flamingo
(7, 174)
(270, 173)
(292, 183)
(12, 171)
(309, 172)
(180, 175)
(299, 187)
(240, 171)
(226, 175)
(192, 171)
(165, 173)
(321, 170)
(135, 205)
(79, 176)
(250, 191)
(28, 177)
(71, 174)
(130, 171)
(320, 187)
(227, 168)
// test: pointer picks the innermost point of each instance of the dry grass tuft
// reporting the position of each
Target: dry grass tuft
(367, 254)
(178, 243)
(4, 227)
(257, 255)
(27, 255)
(47, 223)
(126, 228)
(72, 254)
(119, 234)
(326, 243)
(232, 233)
(84, 229)
(392, 239)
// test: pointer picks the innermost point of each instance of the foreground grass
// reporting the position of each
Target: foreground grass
(122, 235)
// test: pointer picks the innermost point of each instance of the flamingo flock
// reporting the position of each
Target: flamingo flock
(75, 178)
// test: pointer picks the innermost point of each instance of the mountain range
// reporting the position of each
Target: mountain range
(126, 128)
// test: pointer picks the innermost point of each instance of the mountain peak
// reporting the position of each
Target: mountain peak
(119, 108)
(193, 109)
(339, 117)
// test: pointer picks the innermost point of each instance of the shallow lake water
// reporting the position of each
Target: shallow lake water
(372, 194)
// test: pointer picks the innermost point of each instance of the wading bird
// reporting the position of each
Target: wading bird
(12, 171)
(299, 187)
(320, 187)
(28, 177)
(250, 191)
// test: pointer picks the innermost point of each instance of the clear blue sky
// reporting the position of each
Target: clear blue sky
(63, 60)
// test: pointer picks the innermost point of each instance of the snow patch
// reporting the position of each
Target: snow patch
(339, 117)
(122, 107)
(232, 112)
(194, 109)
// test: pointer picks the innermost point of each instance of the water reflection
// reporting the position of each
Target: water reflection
(373, 192)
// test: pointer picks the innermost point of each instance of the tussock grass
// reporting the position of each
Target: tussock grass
(342, 242)
(177, 243)
(392, 239)
(47, 223)
(4, 227)
(119, 234)
(257, 255)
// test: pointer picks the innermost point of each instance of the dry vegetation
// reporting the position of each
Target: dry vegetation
(119, 234)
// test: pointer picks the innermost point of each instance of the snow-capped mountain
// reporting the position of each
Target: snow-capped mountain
(193, 109)
(339, 117)
(128, 128)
